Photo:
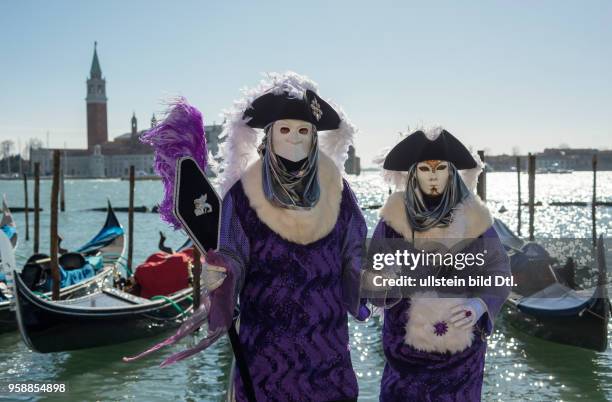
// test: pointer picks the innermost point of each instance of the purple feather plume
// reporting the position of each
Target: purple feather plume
(180, 134)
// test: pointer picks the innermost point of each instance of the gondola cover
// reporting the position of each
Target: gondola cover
(197, 205)
(163, 274)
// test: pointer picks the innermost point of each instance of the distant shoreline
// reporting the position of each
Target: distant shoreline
(144, 178)
(81, 178)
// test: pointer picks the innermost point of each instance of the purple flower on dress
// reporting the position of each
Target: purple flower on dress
(440, 328)
(468, 313)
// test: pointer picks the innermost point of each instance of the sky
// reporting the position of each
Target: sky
(501, 76)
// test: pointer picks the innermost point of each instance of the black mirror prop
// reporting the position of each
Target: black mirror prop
(197, 205)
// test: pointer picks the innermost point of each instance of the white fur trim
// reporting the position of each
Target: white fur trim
(471, 218)
(426, 309)
(298, 226)
(470, 176)
(239, 149)
(394, 178)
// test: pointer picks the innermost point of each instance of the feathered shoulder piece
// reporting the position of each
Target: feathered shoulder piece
(180, 134)
(240, 141)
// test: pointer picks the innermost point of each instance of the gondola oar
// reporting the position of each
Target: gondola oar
(198, 207)
(243, 369)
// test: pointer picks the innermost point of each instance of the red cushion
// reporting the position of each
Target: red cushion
(163, 274)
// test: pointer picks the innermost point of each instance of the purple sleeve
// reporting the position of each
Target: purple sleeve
(353, 251)
(233, 255)
(498, 264)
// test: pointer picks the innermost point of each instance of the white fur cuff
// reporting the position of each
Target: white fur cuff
(429, 329)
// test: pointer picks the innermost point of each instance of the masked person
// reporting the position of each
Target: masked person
(291, 243)
(434, 338)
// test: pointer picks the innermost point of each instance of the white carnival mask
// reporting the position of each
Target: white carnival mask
(292, 139)
(432, 176)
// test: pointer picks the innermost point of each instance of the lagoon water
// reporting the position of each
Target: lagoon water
(518, 367)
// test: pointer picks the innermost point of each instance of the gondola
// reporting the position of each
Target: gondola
(105, 317)
(104, 251)
(544, 306)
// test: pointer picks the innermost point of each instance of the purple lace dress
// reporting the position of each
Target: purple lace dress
(414, 375)
(294, 301)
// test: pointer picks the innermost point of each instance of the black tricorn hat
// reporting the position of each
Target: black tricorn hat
(271, 107)
(417, 148)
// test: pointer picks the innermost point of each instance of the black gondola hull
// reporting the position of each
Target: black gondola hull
(545, 308)
(588, 330)
(53, 327)
(112, 250)
(8, 322)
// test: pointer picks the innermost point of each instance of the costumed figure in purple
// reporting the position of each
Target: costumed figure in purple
(434, 331)
(292, 240)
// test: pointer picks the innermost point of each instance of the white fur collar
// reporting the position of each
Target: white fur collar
(302, 227)
(471, 218)
(428, 328)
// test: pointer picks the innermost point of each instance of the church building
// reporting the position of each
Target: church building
(104, 158)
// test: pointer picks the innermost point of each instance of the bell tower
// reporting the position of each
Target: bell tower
(134, 123)
(97, 126)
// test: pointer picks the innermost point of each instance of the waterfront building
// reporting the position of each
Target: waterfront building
(555, 160)
(104, 158)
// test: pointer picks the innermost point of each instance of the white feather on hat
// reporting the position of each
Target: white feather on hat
(239, 148)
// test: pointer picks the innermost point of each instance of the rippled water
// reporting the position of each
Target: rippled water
(518, 367)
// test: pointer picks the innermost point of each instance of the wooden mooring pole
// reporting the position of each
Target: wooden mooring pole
(26, 209)
(531, 169)
(594, 203)
(55, 274)
(131, 222)
(197, 274)
(62, 188)
(481, 187)
(518, 182)
(36, 207)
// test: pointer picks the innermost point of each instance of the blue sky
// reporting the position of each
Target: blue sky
(495, 74)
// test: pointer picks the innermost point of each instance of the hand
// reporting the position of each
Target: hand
(214, 270)
(223, 297)
(467, 314)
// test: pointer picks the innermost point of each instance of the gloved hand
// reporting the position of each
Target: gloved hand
(222, 297)
(214, 270)
(467, 314)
